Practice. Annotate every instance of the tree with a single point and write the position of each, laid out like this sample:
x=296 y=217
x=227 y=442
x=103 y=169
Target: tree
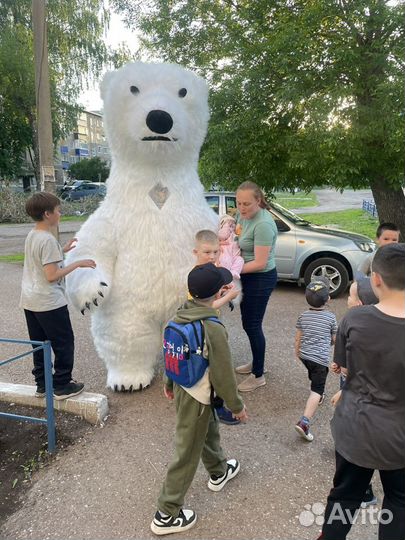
x=77 y=54
x=304 y=92
x=93 y=169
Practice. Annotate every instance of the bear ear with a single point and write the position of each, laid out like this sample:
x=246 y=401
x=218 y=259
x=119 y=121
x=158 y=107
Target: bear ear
x=105 y=83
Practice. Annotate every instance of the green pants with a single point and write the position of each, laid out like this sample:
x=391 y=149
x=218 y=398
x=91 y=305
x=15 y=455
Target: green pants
x=197 y=436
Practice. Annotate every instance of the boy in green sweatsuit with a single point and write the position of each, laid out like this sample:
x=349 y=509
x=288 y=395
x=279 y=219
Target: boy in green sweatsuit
x=197 y=428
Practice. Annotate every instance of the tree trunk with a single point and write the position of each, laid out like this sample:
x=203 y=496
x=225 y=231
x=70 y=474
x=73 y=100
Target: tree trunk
x=390 y=204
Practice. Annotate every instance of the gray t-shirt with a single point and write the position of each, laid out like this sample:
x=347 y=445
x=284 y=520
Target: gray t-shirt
x=369 y=422
x=365 y=266
x=37 y=293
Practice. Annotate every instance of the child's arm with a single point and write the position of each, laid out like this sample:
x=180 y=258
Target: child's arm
x=298 y=336
x=230 y=295
x=336 y=397
x=54 y=273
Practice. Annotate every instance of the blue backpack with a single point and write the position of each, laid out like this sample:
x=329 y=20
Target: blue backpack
x=183 y=351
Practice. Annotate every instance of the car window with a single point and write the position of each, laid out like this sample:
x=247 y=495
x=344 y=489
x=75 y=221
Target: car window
x=90 y=187
x=230 y=205
x=213 y=201
x=280 y=224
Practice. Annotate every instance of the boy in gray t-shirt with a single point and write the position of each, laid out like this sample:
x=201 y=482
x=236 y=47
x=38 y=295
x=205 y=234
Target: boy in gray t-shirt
x=43 y=295
x=368 y=426
x=316 y=330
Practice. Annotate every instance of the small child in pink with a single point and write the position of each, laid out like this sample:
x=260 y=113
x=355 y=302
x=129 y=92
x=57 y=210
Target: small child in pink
x=230 y=256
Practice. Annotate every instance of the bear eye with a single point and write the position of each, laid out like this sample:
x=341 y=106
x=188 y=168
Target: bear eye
x=134 y=89
x=182 y=92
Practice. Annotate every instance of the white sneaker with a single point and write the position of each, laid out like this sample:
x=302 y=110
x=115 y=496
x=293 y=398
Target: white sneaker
x=251 y=383
x=216 y=483
x=245 y=369
x=163 y=524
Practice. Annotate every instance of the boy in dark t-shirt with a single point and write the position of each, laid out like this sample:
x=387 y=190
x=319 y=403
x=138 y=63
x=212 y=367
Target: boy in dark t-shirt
x=369 y=422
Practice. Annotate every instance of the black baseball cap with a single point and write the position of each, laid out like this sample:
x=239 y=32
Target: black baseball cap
x=317 y=292
x=205 y=280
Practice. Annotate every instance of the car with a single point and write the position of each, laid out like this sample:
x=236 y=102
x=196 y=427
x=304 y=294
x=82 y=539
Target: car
x=304 y=250
x=70 y=185
x=85 y=189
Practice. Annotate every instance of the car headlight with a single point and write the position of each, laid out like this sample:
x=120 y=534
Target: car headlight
x=369 y=247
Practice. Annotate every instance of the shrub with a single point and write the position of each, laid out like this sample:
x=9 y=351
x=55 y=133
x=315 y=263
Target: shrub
x=12 y=206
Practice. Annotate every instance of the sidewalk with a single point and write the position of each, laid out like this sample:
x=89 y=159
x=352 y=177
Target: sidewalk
x=105 y=486
x=12 y=237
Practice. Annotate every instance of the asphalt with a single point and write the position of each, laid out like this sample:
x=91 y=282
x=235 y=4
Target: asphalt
x=106 y=485
x=330 y=200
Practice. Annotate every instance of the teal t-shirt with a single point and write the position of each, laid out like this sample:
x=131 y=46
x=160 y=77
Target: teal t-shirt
x=261 y=230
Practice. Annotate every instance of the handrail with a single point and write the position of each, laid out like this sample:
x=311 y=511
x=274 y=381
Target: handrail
x=50 y=416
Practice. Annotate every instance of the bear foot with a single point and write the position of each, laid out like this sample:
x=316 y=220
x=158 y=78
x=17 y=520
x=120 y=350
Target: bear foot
x=129 y=381
x=131 y=388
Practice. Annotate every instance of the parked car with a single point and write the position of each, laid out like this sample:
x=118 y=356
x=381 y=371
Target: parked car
x=304 y=250
x=70 y=185
x=85 y=189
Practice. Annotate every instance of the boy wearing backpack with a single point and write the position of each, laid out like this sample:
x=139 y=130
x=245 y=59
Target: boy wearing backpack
x=197 y=429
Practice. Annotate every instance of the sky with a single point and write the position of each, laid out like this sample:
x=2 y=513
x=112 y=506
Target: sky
x=117 y=33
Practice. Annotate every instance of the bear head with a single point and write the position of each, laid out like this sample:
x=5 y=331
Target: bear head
x=154 y=114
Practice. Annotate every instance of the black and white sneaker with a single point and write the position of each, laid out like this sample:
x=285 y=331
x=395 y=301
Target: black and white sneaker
x=69 y=390
x=40 y=391
x=216 y=483
x=164 y=524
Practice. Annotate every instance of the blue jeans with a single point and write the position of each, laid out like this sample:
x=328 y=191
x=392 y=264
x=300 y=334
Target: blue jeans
x=257 y=288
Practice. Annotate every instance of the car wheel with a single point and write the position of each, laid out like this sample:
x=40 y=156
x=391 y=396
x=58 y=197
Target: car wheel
x=333 y=269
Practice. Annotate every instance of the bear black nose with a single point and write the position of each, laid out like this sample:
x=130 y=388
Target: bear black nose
x=159 y=121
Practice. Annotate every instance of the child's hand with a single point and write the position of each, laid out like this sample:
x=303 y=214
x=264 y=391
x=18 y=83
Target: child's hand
x=168 y=393
x=335 y=368
x=69 y=245
x=242 y=415
x=232 y=293
x=336 y=397
x=86 y=263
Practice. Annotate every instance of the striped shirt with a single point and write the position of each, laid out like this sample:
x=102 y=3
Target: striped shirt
x=317 y=327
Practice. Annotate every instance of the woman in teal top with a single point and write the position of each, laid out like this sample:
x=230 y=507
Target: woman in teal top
x=257 y=235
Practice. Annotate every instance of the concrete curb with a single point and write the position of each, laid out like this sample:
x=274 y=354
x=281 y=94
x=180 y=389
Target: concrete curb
x=91 y=407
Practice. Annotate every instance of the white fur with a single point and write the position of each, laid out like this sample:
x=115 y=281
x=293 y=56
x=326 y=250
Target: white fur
x=143 y=253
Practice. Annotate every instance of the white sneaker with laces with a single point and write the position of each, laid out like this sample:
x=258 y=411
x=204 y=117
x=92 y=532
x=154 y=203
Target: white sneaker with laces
x=216 y=483
x=166 y=524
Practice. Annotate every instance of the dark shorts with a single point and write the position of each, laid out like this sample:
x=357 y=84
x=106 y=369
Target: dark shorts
x=317 y=375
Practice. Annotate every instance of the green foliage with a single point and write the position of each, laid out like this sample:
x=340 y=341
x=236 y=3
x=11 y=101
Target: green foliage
x=93 y=169
x=77 y=54
x=303 y=92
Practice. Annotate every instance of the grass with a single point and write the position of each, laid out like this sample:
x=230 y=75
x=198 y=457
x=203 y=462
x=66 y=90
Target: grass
x=350 y=220
x=74 y=218
x=296 y=200
x=14 y=258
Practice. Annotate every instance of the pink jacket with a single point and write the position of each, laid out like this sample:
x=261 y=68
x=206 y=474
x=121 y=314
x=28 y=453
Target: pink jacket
x=230 y=256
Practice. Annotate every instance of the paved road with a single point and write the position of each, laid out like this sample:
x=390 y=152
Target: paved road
x=331 y=200
x=105 y=486
x=12 y=237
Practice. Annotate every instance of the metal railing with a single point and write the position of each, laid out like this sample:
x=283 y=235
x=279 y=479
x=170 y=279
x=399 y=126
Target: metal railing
x=50 y=417
x=370 y=207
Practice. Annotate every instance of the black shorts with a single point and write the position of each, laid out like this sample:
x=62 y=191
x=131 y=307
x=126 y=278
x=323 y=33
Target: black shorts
x=317 y=375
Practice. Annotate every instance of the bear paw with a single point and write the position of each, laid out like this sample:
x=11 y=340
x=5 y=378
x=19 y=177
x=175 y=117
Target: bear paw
x=87 y=289
x=125 y=382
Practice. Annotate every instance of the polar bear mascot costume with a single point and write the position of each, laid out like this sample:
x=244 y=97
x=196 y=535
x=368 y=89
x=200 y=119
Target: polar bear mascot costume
x=142 y=234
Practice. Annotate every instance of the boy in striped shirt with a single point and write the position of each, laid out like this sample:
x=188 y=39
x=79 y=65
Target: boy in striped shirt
x=316 y=332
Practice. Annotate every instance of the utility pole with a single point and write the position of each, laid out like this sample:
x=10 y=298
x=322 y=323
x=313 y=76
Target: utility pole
x=43 y=97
